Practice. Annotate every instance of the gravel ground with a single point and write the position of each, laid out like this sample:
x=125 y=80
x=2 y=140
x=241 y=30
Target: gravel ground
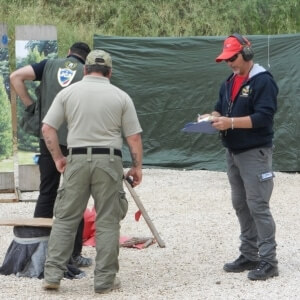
x=192 y=212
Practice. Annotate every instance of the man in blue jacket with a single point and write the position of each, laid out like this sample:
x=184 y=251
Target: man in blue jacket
x=244 y=115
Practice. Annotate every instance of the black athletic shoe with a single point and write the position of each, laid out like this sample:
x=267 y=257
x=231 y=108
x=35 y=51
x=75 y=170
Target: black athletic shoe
x=240 y=264
x=81 y=262
x=263 y=271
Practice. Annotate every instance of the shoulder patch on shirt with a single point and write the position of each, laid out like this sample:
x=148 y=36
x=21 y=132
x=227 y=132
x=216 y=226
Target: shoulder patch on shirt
x=71 y=65
x=65 y=76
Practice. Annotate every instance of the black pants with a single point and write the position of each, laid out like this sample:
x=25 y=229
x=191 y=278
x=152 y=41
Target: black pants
x=49 y=183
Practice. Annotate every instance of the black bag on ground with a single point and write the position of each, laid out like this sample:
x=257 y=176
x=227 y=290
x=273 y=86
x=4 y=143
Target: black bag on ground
x=27 y=252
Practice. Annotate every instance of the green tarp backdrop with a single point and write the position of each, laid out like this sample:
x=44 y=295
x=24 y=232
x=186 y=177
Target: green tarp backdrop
x=171 y=80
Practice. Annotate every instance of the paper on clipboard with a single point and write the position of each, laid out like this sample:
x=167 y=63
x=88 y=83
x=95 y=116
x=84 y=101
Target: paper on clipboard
x=202 y=126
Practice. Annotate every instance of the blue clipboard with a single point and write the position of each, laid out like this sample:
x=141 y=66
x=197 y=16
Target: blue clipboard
x=199 y=127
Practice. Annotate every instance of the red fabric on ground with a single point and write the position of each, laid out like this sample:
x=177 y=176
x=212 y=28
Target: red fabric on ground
x=138 y=215
x=89 y=230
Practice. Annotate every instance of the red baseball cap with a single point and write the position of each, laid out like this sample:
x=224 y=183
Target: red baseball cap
x=231 y=47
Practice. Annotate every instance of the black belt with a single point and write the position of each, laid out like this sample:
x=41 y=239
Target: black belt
x=96 y=151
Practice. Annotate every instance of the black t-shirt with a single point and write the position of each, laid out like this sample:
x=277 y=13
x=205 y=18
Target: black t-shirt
x=38 y=68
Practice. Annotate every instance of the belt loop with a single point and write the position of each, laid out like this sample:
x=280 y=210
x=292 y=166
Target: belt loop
x=111 y=154
x=89 y=154
x=70 y=155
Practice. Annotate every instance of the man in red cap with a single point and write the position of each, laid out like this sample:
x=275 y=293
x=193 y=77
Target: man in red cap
x=244 y=115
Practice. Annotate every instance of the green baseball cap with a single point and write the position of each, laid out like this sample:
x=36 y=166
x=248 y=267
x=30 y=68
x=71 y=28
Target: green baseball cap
x=99 y=57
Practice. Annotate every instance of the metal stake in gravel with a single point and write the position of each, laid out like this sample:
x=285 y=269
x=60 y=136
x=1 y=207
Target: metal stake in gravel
x=136 y=198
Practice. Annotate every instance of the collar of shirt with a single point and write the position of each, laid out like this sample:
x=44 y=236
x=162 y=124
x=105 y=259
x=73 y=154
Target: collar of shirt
x=77 y=57
x=96 y=78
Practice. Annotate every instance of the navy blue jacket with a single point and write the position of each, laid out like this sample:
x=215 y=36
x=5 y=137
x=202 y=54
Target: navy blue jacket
x=256 y=98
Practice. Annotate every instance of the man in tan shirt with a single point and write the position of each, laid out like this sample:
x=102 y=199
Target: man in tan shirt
x=98 y=114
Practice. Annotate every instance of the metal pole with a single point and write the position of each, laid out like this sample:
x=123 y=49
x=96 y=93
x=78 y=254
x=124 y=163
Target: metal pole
x=13 y=99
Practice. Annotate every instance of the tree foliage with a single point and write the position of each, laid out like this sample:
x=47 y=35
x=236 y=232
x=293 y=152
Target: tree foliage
x=5 y=123
x=44 y=48
x=4 y=68
x=81 y=19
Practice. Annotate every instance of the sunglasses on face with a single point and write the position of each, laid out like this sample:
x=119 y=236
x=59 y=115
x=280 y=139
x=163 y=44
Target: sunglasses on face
x=233 y=58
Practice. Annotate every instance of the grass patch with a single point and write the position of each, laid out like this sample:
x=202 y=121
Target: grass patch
x=6 y=165
x=24 y=157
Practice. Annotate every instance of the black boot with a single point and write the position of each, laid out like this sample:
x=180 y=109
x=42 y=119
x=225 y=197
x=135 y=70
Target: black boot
x=240 y=264
x=263 y=271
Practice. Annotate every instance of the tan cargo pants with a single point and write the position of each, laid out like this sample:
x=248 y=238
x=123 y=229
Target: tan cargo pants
x=99 y=176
